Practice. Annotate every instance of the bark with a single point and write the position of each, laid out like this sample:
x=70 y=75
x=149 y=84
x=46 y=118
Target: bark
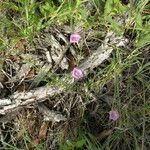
x=19 y=99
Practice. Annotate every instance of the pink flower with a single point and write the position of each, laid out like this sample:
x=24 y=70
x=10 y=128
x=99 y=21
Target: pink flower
x=74 y=38
x=77 y=73
x=113 y=115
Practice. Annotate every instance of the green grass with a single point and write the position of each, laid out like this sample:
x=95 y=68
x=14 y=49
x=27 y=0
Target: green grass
x=128 y=71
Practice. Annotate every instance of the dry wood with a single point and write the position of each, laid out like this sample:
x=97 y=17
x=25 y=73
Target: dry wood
x=50 y=115
x=19 y=99
x=103 y=52
x=21 y=73
x=41 y=94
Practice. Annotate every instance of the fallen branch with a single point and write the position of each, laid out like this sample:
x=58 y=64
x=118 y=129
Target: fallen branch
x=103 y=52
x=19 y=99
x=41 y=94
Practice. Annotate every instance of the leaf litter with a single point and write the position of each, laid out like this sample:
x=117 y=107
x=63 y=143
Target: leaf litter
x=35 y=107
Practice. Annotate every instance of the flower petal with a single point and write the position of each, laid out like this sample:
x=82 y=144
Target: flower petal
x=75 y=38
x=113 y=115
x=77 y=73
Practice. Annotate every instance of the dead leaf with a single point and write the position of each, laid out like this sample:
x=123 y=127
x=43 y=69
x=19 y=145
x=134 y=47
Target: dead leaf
x=41 y=136
x=23 y=87
x=30 y=74
x=2 y=77
x=33 y=144
x=13 y=58
x=21 y=45
x=104 y=134
x=43 y=130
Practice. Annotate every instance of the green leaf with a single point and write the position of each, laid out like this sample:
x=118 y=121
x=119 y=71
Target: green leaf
x=138 y=20
x=80 y=143
x=143 y=40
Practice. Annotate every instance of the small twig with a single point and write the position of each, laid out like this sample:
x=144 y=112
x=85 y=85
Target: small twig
x=60 y=58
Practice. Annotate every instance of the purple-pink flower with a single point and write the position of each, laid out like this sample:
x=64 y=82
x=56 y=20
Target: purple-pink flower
x=113 y=115
x=77 y=73
x=75 y=38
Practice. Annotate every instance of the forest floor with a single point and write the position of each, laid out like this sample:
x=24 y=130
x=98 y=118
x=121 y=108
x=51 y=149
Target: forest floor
x=74 y=74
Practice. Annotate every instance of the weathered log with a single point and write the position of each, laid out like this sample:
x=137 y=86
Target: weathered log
x=103 y=52
x=19 y=99
x=42 y=93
